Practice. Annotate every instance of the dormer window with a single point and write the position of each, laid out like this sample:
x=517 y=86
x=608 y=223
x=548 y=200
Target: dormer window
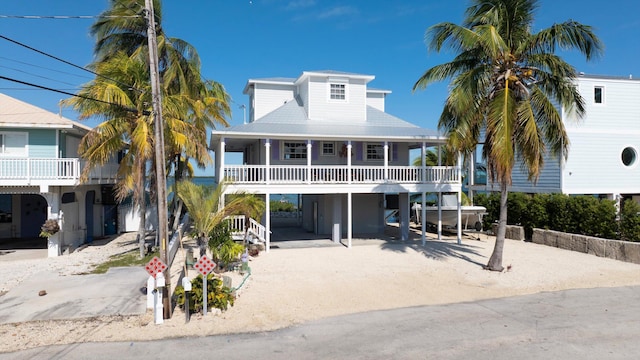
x=338 y=92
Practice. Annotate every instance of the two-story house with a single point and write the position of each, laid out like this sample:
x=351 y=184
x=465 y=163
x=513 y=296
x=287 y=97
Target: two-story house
x=604 y=145
x=39 y=179
x=326 y=137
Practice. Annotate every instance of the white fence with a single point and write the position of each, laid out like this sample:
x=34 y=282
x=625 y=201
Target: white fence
x=43 y=169
x=285 y=174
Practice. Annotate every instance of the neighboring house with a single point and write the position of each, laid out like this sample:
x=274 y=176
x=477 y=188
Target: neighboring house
x=604 y=145
x=326 y=137
x=39 y=179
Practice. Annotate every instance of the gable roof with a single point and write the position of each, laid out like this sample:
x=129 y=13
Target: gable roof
x=19 y=114
x=290 y=121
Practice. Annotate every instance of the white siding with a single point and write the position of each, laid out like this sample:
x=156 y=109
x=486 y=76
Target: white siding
x=303 y=93
x=376 y=100
x=320 y=107
x=268 y=97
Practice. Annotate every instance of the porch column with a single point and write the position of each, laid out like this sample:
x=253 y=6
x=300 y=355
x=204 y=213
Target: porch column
x=267 y=222
x=53 y=212
x=336 y=231
x=267 y=161
x=423 y=208
x=349 y=218
x=349 y=174
x=403 y=204
x=439 y=200
x=460 y=205
x=386 y=160
x=220 y=161
x=309 y=161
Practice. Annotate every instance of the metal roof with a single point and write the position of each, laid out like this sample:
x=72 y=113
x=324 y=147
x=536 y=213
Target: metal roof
x=290 y=121
x=18 y=114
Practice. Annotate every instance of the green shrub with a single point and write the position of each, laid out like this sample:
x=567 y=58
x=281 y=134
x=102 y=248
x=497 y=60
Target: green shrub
x=281 y=206
x=630 y=221
x=223 y=248
x=219 y=296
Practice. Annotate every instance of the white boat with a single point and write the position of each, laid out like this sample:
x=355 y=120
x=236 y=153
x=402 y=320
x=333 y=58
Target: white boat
x=471 y=215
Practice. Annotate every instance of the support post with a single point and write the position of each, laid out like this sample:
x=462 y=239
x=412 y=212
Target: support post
x=160 y=163
x=349 y=218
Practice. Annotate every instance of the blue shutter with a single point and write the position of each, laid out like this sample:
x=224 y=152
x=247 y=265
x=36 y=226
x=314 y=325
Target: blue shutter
x=275 y=149
x=358 y=147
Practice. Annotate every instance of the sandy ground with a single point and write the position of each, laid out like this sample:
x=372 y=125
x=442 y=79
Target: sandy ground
x=291 y=286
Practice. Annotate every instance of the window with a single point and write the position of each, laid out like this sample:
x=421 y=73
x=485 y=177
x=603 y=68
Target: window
x=374 y=152
x=13 y=144
x=338 y=92
x=598 y=95
x=294 y=150
x=328 y=149
x=629 y=156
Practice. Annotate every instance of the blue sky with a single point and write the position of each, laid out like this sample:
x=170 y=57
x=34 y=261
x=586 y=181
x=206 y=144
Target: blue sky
x=242 y=39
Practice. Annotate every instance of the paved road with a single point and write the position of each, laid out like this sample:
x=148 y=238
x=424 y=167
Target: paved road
x=574 y=324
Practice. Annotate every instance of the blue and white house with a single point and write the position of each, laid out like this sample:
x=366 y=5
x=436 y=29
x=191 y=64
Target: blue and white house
x=40 y=179
x=604 y=145
x=325 y=136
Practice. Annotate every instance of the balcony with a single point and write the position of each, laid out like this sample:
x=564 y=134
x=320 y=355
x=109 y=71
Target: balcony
x=340 y=174
x=52 y=171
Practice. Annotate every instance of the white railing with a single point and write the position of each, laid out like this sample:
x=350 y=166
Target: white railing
x=316 y=174
x=238 y=226
x=45 y=169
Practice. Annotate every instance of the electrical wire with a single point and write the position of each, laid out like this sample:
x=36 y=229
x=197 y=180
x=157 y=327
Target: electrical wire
x=68 y=63
x=46 y=68
x=35 y=75
x=59 y=17
x=72 y=94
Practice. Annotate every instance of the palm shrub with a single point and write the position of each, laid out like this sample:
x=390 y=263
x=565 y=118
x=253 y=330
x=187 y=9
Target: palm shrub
x=223 y=249
x=218 y=295
x=630 y=221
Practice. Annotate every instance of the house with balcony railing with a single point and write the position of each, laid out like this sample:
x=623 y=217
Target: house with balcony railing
x=40 y=178
x=325 y=137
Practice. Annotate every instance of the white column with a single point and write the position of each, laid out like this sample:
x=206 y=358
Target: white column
x=386 y=160
x=308 y=161
x=267 y=161
x=460 y=205
x=349 y=219
x=336 y=231
x=267 y=222
x=423 y=208
x=403 y=204
x=220 y=171
x=439 y=201
x=349 y=173
x=53 y=212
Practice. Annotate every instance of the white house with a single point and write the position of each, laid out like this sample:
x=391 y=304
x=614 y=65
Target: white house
x=604 y=145
x=39 y=179
x=325 y=136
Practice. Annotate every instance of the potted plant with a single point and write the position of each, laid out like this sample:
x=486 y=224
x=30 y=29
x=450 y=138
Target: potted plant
x=49 y=228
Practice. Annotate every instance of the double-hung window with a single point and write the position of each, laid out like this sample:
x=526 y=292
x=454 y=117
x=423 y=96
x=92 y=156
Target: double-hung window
x=13 y=144
x=374 y=152
x=294 y=150
x=328 y=148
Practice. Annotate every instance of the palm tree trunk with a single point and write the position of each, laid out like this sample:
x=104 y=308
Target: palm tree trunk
x=142 y=206
x=495 y=261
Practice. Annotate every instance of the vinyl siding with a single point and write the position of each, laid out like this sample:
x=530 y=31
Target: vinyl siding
x=320 y=107
x=42 y=143
x=268 y=97
x=376 y=100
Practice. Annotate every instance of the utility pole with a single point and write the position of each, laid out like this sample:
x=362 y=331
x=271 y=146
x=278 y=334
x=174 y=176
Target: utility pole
x=161 y=180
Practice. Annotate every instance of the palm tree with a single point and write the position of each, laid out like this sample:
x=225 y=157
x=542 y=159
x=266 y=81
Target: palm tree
x=505 y=82
x=207 y=211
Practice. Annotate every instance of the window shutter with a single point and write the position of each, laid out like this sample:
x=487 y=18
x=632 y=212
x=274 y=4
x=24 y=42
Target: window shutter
x=358 y=148
x=394 y=152
x=275 y=149
x=315 y=149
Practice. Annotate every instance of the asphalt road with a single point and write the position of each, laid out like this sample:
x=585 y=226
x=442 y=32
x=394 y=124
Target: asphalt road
x=576 y=324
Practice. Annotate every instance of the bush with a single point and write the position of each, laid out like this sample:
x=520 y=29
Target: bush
x=584 y=215
x=630 y=221
x=219 y=296
x=281 y=206
x=223 y=249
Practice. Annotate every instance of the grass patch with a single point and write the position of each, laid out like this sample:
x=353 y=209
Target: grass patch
x=130 y=258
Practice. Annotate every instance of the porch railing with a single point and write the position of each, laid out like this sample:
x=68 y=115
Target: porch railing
x=46 y=169
x=238 y=225
x=317 y=174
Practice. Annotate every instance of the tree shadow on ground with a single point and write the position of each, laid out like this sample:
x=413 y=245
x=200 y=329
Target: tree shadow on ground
x=437 y=249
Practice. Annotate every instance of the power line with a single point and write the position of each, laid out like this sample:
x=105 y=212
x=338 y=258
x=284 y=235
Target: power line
x=45 y=68
x=36 y=75
x=64 y=17
x=67 y=62
x=72 y=94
